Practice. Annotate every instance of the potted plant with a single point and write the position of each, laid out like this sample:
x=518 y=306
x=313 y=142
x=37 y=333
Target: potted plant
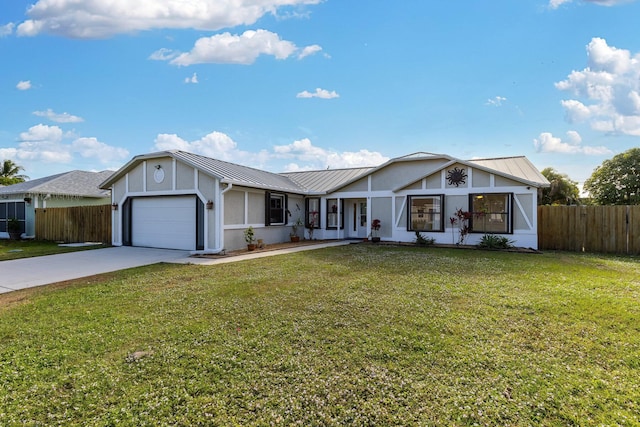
x=294 y=230
x=13 y=227
x=375 y=230
x=250 y=238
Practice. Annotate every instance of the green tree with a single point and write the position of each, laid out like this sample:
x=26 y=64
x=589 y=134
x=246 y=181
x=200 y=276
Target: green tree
x=563 y=191
x=10 y=173
x=617 y=180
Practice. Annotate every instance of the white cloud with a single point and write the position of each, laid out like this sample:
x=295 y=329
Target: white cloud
x=217 y=145
x=48 y=144
x=100 y=19
x=6 y=29
x=302 y=154
x=319 y=158
x=554 y=4
x=24 y=85
x=163 y=54
x=227 y=48
x=319 y=93
x=193 y=79
x=309 y=50
x=607 y=91
x=496 y=101
x=58 y=118
x=94 y=149
x=547 y=143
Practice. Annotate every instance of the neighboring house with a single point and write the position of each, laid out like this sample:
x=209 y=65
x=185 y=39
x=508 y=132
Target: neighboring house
x=75 y=188
x=180 y=200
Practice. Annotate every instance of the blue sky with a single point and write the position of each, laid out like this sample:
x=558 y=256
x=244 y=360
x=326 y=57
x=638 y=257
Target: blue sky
x=308 y=84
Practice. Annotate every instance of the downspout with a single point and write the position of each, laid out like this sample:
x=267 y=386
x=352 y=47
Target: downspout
x=220 y=219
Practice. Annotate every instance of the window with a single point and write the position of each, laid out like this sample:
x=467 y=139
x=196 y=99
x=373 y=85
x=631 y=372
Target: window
x=10 y=210
x=335 y=215
x=276 y=209
x=426 y=213
x=491 y=213
x=312 y=209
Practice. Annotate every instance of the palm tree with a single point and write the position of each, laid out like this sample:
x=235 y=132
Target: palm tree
x=10 y=173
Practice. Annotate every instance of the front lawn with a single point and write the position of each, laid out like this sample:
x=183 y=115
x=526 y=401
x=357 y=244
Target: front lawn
x=355 y=335
x=14 y=249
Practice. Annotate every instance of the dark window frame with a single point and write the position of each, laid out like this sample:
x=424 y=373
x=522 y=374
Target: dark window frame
x=18 y=211
x=269 y=210
x=480 y=216
x=410 y=212
x=308 y=212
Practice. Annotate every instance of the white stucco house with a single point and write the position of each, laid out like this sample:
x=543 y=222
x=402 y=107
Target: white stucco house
x=179 y=200
x=73 y=188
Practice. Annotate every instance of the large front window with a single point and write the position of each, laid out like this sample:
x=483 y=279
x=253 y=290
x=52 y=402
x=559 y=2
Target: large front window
x=9 y=210
x=491 y=213
x=425 y=213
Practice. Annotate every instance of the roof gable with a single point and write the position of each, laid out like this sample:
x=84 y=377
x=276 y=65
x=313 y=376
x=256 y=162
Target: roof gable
x=226 y=172
x=73 y=183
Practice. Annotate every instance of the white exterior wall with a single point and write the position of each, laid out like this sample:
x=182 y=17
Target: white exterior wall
x=391 y=206
x=179 y=179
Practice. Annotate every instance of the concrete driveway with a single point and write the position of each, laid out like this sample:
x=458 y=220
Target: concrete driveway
x=37 y=271
x=31 y=272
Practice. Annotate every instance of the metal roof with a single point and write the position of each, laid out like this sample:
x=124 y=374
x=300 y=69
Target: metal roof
x=519 y=167
x=237 y=174
x=329 y=180
x=73 y=183
x=321 y=181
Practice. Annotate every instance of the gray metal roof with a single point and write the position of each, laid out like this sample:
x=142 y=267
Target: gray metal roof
x=329 y=180
x=74 y=183
x=519 y=167
x=238 y=174
x=321 y=181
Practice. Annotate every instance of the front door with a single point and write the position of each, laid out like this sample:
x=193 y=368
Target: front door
x=357 y=224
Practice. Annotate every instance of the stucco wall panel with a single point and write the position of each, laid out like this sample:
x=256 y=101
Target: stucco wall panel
x=381 y=209
x=136 y=179
x=234 y=207
x=184 y=177
x=504 y=182
x=481 y=178
x=164 y=164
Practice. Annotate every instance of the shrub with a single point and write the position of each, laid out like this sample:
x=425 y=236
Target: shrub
x=424 y=241
x=491 y=241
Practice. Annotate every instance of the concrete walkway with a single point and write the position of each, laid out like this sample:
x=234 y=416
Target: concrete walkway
x=31 y=272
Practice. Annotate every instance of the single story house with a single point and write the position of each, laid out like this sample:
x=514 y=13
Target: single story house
x=75 y=188
x=179 y=200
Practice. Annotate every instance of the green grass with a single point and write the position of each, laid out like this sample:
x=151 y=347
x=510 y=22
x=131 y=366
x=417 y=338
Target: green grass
x=356 y=335
x=15 y=249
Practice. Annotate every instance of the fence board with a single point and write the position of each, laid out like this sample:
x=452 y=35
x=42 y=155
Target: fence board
x=608 y=229
x=74 y=224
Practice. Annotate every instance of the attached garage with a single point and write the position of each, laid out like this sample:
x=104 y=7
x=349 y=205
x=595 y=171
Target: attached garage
x=167 y=222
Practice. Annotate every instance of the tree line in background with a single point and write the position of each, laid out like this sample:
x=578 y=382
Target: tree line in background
x=615 y=182
x=10 y=173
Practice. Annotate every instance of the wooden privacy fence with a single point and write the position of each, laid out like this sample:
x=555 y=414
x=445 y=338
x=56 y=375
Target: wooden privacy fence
x=74 y=224
x=609 y=229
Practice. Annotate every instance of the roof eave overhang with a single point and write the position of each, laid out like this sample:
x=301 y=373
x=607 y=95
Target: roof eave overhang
x=106 y=185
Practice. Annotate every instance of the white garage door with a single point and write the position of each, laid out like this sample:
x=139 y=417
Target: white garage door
x=164 y=222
